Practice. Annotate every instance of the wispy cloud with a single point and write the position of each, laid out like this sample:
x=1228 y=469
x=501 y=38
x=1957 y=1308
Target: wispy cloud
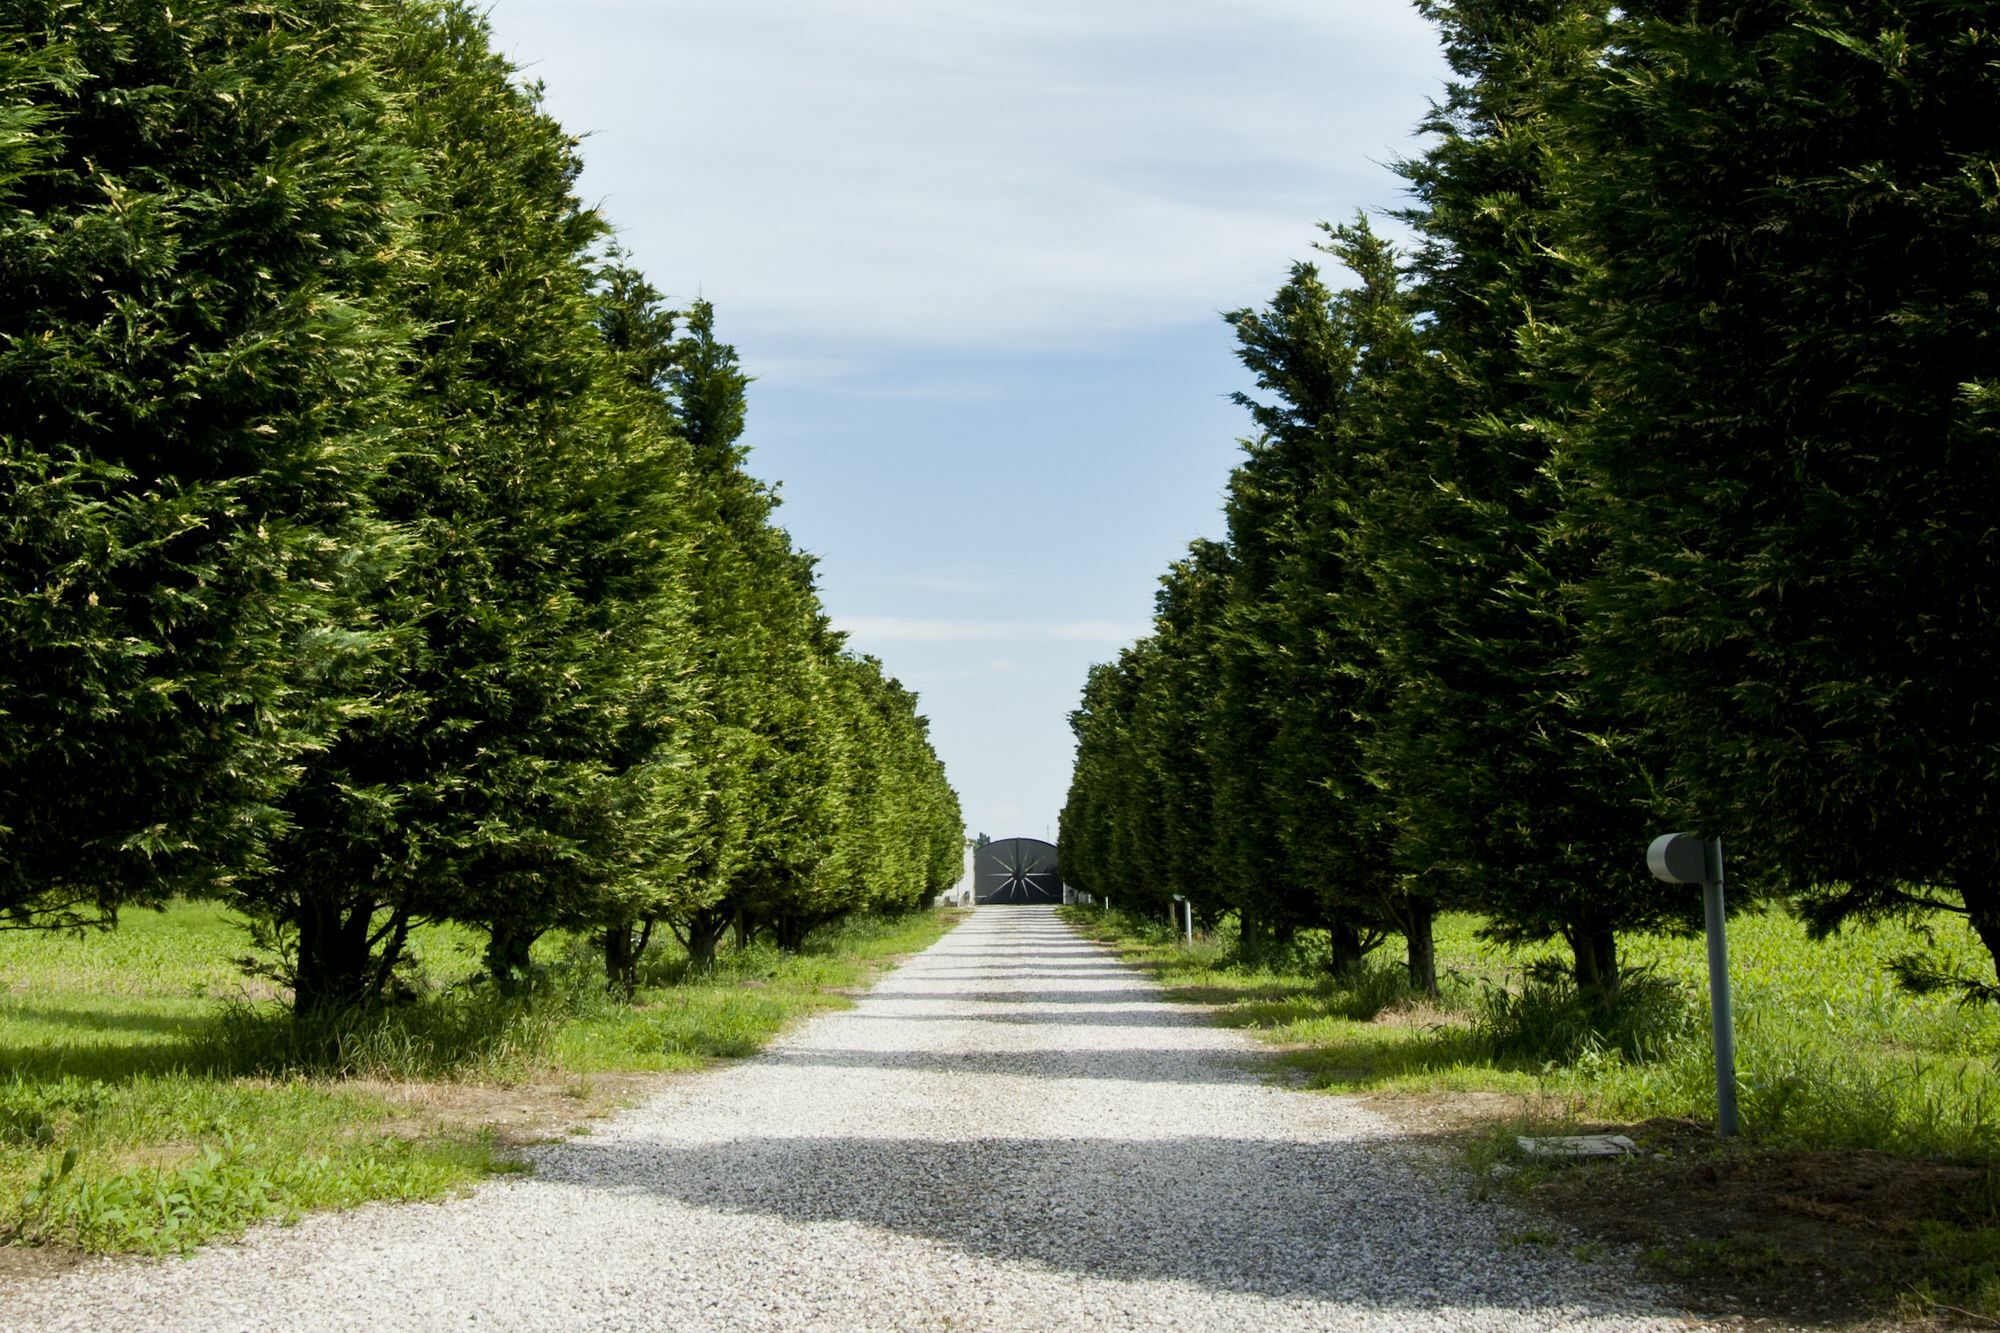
x=910 y=629
x=959 y=172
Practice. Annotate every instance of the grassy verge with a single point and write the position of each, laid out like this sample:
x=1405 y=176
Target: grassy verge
x=150 y=1097
x=1867 y=1183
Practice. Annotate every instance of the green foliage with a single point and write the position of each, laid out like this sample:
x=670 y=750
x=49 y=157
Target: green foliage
x=1221 y=758
x=1546 y=1018
x=536 y=500
x=203 y=223
x=1783 y=220
x=377 y=548
x=820 y=794
x=1653 y=492
x=474 y=1031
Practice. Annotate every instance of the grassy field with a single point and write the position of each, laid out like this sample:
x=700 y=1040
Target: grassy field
x=1830 y=1053
x=1871 y=1117
x=152 y=1098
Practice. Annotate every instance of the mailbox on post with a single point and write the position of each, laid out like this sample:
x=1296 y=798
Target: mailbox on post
x=1682 y=858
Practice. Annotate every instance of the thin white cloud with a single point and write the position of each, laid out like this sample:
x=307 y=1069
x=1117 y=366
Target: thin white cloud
x=912 y=629
x=971 y=173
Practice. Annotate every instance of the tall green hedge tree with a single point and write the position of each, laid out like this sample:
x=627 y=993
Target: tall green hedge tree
x=1512 y=798
x=202 y=233
x=1170 y=721
x=1787 y=213
x=1089 y=829
x=483 y=787
x=1327 y=359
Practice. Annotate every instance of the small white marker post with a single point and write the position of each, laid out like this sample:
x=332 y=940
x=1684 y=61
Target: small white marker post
x=1682 y=858
x=1188 y=908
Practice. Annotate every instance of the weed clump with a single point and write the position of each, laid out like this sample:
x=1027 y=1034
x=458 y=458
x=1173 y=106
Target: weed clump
x=472 y=1030
x=1549 y=1019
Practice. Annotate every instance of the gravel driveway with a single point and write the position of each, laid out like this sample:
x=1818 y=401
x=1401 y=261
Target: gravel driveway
x=1011 y=1131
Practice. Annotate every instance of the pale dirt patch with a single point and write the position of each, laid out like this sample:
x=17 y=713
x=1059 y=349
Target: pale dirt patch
x=1422 y=1015
x=26 y=1263
x=1454 y=1113
x=517 y=1114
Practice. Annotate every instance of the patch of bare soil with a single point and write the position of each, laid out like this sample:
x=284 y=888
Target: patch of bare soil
x=26 y=1263
x=1455 y=1114
x=1830 y=1239
x=1745 y=1233
x=518 y=1114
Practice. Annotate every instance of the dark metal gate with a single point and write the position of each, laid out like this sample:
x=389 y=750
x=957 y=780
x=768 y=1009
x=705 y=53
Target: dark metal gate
x=1017 y=871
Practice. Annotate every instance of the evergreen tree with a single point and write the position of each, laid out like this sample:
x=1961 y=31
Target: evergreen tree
x=1171 y=720
x=1089 y=833
x=642 y=599
x=1785 y=215
x=1328 y=358
x=200 y=234
x=1262 y=507
x=1510 y=799
x=481 y=789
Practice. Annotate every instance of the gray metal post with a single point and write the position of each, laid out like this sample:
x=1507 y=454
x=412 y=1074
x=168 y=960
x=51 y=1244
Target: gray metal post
x=1683 y=858
x=1718 y=991
x=1189 y=904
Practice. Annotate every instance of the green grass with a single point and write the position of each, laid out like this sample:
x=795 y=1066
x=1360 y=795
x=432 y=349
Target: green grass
x=151 y=1098
x=1830 y=1053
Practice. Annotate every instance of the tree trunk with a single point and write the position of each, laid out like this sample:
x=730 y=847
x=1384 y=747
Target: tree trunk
x=334 y=956
x=791 y=929
x=508 y=959
x=1982 y=912
x=1419 y=915
x=1249 y=933
x=1595 y=948
x=1261 y=939
x=1345 y=949
x=624 y=945
x=700 y=933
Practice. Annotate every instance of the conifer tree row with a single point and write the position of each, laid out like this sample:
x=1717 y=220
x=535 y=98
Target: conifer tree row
x=378 y=548
x=1651 y=489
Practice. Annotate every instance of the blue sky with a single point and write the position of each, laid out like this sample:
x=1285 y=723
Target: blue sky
x=975 y=254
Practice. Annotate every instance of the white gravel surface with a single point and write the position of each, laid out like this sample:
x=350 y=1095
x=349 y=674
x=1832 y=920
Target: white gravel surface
x=1011 y=1131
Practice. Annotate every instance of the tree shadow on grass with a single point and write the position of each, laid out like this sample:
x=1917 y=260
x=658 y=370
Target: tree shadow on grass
x=86 y=1021
x=50 y=1062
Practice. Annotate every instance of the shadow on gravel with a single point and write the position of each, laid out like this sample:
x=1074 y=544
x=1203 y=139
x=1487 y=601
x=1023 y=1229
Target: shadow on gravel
x=1041 y=953
x=1167 y=1065
x=1167 y=1014
x=1120 y=1018
x=1334 y=1222
x=1018 y=971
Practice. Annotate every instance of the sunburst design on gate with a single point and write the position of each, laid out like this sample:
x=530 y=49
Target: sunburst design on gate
x=1019 y=870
